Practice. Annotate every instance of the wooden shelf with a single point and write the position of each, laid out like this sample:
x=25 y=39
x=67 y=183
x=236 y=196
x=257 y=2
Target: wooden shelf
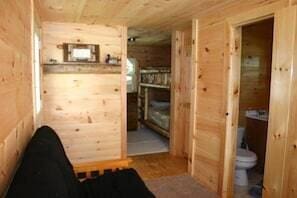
x=81 y=68
x=82 y=63
x=155 y=86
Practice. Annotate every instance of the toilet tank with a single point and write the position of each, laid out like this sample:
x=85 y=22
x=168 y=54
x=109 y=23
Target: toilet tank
x=240 y=134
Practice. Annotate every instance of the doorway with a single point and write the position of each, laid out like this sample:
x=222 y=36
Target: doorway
x=254 y=98
x=280 y=107
x=148 y=92
x=239 y=28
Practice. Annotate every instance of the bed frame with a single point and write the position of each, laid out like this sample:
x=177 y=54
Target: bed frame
x=93 y=169
x=152 y=78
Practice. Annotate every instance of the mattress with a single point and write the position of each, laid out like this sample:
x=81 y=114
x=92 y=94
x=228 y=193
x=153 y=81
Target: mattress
x=160 y=117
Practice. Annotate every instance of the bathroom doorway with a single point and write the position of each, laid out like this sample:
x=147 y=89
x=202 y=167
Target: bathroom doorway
x=254 y=97
x=280 y=105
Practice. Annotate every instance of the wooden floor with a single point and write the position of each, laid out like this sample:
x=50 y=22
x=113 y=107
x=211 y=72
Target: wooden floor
x=158 y=165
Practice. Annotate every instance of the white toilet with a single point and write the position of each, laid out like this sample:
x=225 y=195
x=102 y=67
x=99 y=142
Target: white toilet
x=245 y=159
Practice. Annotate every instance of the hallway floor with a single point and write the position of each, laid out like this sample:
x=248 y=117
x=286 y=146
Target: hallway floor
x=166 y=176
x=159 y=165
x=145 y=141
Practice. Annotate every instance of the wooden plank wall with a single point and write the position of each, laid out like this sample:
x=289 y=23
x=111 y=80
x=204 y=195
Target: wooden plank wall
x=209 y=136
x=280 y=134
x=290 y=176
x=257 y=42
x=85 y=109
x=16 y=116
x=108 y=37
x=181 y=91
x=150 y=56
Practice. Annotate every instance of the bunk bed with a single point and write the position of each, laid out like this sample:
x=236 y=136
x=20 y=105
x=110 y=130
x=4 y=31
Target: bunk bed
x=154 y=114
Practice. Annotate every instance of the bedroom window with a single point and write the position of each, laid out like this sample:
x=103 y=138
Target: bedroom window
x=131 y=76
x=36 y=77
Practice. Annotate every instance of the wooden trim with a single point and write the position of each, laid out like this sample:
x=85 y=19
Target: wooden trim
x=32 y=29
x=258 y=14
x=113 y=165
x=177 y=38
x=181 y=92
x=81 y=69
x=194 y=78
x=290 y=182
x=124 y=94
x=35 y=29
x=146 y=103
x=233 y=93
x=278 y=137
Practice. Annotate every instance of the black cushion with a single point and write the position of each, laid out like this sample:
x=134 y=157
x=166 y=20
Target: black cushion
x=45 y=171
x=46 y=135
x=41 y=178
x=45 y=146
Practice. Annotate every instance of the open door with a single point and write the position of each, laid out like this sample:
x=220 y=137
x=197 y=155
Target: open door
x=280 y=169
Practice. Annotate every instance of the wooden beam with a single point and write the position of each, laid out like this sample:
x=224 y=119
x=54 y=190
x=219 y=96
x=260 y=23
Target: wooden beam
x=233 y=58
x=146 y=103
x=290 y=175
x=81 y=69
x=177 y=39
x=194 y=78
x=124 y=40
x=280 y=109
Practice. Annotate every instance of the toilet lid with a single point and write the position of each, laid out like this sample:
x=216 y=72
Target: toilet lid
x=244 y=155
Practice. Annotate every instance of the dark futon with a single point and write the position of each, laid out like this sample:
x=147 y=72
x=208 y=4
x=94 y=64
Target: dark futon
x=45 y=171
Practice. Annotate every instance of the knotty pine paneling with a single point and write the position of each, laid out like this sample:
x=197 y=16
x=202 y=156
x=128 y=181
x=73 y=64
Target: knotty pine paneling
x=210 y=108
x=134 y=13
x=181 y=92
x=84 y=109
x=212 y=83
x=150 y=56
x=16 y=116
x=55 y=34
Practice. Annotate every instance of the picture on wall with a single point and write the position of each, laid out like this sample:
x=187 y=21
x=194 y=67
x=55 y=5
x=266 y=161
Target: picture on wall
x=81 y=53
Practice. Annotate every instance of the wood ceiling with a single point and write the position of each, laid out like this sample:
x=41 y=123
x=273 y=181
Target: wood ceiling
x=156 y=15
x=146 y=36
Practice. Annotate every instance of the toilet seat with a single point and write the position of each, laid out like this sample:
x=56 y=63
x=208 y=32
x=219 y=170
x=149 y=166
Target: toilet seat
x=244 y=155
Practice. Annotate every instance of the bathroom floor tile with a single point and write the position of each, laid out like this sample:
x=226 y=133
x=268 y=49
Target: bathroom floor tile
x=243 y=191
